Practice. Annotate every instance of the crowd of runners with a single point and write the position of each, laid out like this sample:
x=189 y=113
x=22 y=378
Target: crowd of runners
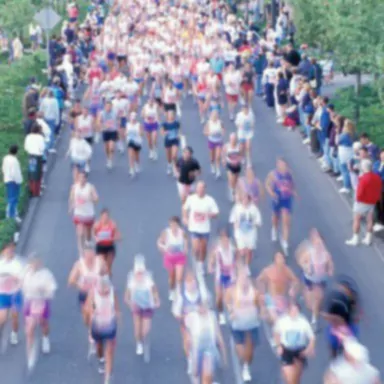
x=148 y=58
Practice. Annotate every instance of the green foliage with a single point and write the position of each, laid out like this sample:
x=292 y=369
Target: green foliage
x=371 y=110
x=15 y=15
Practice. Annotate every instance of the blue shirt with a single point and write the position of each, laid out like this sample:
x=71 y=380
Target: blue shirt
x=378 y=168
x=171 y=129
x=217 y=65
x=345 y=140
x=59 y=95
x=325 y=121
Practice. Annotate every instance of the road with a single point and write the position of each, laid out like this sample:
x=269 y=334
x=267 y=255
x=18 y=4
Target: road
x=141 y=208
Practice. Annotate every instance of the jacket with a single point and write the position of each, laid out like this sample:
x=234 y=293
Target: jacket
x=369 y=188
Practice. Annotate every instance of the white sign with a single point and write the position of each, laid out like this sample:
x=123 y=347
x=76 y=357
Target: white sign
x=47 y=18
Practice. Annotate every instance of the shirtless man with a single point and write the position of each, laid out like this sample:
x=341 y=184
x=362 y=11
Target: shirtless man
x=277 y=281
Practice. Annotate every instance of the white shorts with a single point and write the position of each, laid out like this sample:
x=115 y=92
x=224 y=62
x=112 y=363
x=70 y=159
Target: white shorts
x=246 y=241
x=244 y=136
x=185 y=190
x=362 y=208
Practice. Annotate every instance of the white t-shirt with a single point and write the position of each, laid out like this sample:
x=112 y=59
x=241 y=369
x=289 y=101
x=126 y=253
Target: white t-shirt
x=40 y=284
x=11 y=273
x=245 y=219
x=79 y=150
x=199 y=209
x=294 y=333
x=232 y=81
x=245 y=121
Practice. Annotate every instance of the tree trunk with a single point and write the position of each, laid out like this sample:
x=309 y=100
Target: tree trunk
x=357 y=96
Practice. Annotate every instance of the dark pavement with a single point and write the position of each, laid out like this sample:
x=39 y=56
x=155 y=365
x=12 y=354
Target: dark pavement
x=141 y=208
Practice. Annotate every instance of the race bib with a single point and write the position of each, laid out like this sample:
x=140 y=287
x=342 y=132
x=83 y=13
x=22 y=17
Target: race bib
x=199 y=217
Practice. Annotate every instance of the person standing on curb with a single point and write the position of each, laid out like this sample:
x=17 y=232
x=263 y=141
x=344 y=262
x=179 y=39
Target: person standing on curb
x=13 y=179
x=50 y=108
x=378 y=168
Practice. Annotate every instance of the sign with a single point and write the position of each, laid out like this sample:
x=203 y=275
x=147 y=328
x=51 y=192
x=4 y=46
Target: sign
x=47 y=18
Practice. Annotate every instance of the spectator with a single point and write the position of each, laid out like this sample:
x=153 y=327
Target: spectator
x=34 y=145
x=269 y=80
x=336 y=128
x=323 y=133
x=51 y=113
x=308 y=109
x=59 y=95
x=378 y=168
x=292 y=56
x=316 y=76
x=282 y=88
x=354 y=165
x=260 y=63
x=294 y=86
x=305 y=67
x=17 y=49
x=30 y=120
x=344 y=143
x=373 y=149
x=30 y=99
x=33 y=37
x=368 y=194
x=13 y=178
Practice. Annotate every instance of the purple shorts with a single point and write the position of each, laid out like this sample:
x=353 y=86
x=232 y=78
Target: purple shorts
x=151 y=127
x=94 y=109
x=144 y=313
x=37 y=309
x=212 y=145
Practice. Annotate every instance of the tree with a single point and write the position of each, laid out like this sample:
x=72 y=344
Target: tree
x=15 y=15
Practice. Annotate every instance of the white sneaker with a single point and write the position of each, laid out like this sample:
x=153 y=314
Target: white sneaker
x=13 y=338
x=101 y=368
x=279 y=121
x=169 y=169
x=32 y=358
x=189 y=366
x=246 y=373
x=131 y=172
x=200 y=268
x=202 y=120
x=354 y=241
x=285 y=247
x=18 y=219
x=218 y=174
x=306 y=141
x=344 y=190
x=340 y=178
x=154 y=155
x=137 y=168
x=171 y=295
x=52 y=151
x=222 y=319
x=97 y=137
x=378 y=227
x=151 y=155
x=46 y=345
x=213 y=169
x=274 y=234
x=87 y=168
x=109 y=164
x=139 y=349
x=367 y=239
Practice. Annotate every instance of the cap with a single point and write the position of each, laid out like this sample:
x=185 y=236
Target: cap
x=356 y=350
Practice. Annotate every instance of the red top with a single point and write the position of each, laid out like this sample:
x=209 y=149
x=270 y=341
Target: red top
x=105 y=232
x=369 y=188
x=94 y=73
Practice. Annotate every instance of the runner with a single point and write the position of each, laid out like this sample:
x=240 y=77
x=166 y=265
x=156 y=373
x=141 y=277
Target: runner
x=108 y=124
x=106 y=233
x=169 y=97
x=317 y=266
x=173 y=244
x=103 y=311
x=121 y=106
x=244 y=304
x=296 y=342
x=232 y=81
x=222 y=262
x=39 y=287
x=11 y=276
x=170 y=129
x=251 y=185
x=142 y=297
x=84 y=125
x=201 y=96
x=281 y=187
x=187 y=170
x=198 y=211
x=214 y=130
x=134 y=133
x=131 y=90
x=247 y=82
x=82 y=200
x=277 y=281
x=232 y=159
x=150 y=114
x=245 y=122
x=246 y=219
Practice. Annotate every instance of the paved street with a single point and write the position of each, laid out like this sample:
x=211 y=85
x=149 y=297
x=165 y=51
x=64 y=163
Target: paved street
x=141 y=208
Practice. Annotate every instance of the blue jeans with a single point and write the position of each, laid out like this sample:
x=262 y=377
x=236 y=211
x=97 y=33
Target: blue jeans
x=345 y=174
x=306 y=125
x=258 y=84
x=52 y=127
x=335 y=164
x=13 y=194
x=327 y=153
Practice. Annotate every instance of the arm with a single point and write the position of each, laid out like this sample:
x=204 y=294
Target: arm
x=74 y=276
x=71 y=200
x=95 y=196
x=161 y=242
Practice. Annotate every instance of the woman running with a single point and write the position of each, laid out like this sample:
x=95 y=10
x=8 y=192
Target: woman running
x=201 y=96
x=142 y=297
x=106 y=233
x=232 y=81
x=214 y=130
x=82 y=200
x=84 y=125
x=121 y=107
x=296 y=342
x=232 y=159
x=39 y=287
x=246 y=219
x=170 y=129
x=177 y=78
x=134 y=134
x=84 y=276
x=281 y=187
x=317 y=266
x=150 y=114
x=245 y=124
x=251 y=185
x=108 y=124
x=206 y=344
x=131 y=90
x=247 y=87
x=11 y=277
x=103 y=309
x=80 y=153
x=173 y=244
x=244 y=304
x=169 y=97
x=222 y=262
x=214 y=101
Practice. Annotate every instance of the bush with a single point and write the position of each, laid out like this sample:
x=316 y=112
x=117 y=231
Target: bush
x=371 y=110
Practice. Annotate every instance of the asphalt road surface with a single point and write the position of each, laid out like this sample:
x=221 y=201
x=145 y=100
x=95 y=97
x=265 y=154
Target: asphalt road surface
x=141 y=208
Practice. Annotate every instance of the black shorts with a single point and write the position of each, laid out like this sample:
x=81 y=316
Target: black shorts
x=121 y=58
x=105 y=249
x=289 y=357
x=159 y=101
x=235 y=169
x=136 y=147
x=109 y=136
x=169 y=143
x=89 y=140
x=169 y=107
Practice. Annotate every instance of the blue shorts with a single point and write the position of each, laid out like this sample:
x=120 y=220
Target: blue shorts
x=123 y=122
x=94 y=109
x=82 y=297
x=14 y=301
x=194 y=78
x=280 y=204
x=139 y=81
x=334 y=342
x=79 y=165
x=202 y=236
x=100 y=335
x=239 y=337
x=179 y=86
x=224 y=281
x=310 y=284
